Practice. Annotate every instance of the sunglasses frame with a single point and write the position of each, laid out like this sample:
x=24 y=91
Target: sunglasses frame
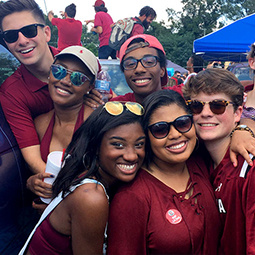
x=16 y=32
x=119 y=108
x=141 y=61
x=225 y=104
x=171 y=123
x=68 y=71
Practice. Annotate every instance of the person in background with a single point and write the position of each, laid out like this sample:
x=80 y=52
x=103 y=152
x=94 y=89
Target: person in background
x=177 y=74
x=72 y=76
x=169 y=208
x=215 y=97
x=102 y=26
x=24 y=95
x=107 y=149
x=69 y=29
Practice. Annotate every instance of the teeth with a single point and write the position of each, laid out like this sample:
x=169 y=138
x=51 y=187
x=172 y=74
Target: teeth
x=63 y=91
x=26 y=51
x=141 y=81
x=208 y=125
x=178 y=146
x=126 y=167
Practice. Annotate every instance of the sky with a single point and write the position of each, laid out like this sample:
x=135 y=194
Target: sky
x=118 y=9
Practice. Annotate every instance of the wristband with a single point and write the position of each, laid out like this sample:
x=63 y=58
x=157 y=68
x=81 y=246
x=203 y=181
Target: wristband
x=242 y=127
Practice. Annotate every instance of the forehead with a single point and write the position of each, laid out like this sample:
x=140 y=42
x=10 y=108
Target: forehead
x=18 y=20
x=140 y=52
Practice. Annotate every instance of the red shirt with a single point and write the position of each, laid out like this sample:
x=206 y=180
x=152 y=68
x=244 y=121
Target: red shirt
x=234 y=190
x=69 y=32
x=103 y=20
x=23 y=97
x=137 y=29
x=148 y=217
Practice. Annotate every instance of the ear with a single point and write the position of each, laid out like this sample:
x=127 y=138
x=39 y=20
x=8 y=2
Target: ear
x=238 y=114
x=162 y=71
x=47 y=33
x=251 y=62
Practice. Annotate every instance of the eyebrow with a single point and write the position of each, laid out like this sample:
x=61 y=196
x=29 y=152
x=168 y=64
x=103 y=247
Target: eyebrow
x=122 y=139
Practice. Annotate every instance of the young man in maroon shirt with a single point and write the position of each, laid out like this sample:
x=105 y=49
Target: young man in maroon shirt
x=215 y=97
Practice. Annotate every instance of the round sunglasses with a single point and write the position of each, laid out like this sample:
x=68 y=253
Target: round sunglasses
x=161 y=129
x=77 y=78
x=30 y=31
x=216 y=106
x=116 y=108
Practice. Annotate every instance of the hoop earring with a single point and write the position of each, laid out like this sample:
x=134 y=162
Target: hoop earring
x=86 y=160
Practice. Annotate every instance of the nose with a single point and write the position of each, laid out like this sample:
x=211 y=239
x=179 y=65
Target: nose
x=206 y=110
x=140 y=67
x=130 y=154
x=22 y=40
x=173 y=133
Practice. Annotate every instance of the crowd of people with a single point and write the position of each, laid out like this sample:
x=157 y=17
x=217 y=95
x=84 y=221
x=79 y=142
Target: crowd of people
x=156 y=161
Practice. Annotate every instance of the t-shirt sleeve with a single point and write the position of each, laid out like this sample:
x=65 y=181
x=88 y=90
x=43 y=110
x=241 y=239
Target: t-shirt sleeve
x=98 y=20
x=55 y=21
x=20 y=120
x=127 y=224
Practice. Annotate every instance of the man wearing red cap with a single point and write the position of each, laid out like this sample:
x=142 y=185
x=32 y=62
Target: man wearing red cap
x=102 y=26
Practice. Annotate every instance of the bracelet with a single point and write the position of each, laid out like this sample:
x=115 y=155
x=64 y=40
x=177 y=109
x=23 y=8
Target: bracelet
x=242 y=127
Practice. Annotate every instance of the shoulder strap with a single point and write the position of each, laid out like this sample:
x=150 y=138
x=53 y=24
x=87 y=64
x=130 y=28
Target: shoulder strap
x=53 y=205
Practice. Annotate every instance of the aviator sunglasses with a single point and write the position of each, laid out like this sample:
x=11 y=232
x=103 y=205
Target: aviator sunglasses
x=116 y=108
x=161 y=129
x=77 y=78
x=146 y=61
x=216 y=106
x=30 y=31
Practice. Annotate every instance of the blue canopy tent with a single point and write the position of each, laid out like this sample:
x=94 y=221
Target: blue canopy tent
x=230 y=43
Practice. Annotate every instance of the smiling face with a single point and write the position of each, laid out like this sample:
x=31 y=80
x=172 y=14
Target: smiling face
x=122 y=152
x=29 y=51
x=212 y=127
x=143 y=81
x=63 y=92
x=176 y=147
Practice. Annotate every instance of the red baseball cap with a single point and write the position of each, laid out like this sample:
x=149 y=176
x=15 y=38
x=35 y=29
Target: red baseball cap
x=99 y=3
x=151 y=42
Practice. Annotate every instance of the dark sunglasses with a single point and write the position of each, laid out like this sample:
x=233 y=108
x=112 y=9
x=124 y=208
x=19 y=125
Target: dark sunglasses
x=216 y=106
x=30 y=31
x=161 y=129
x=77 y=78
x=146 y=61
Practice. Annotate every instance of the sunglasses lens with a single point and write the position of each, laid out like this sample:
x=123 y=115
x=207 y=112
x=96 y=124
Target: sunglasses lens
x=77 y=78
x=183 y=124
x=159 y=130
x=29 y=31
x=10 y=36
x=135 y=108
x=58 y=72
x=114 y=108
x=218 y=107
x=196 y=107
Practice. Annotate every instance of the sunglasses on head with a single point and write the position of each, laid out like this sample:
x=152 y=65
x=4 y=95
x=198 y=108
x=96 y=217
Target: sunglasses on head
x=116 y=108
x=30 y=31
x=161 y=129
x=146 y=61
x=216 y=106
x=77 y=78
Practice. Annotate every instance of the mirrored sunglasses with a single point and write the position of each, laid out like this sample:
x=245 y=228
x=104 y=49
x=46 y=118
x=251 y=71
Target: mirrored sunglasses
x=216 y=106
x=116 y=108
x=161 y=129
x=30 y=31
x=146 y=61
x=77 y=78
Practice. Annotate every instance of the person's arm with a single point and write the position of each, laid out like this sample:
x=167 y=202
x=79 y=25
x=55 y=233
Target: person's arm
x=88 y=21
x=243 y=143
x=93 y=99
x=97 y=29
x=88 y=207
x=50 y=15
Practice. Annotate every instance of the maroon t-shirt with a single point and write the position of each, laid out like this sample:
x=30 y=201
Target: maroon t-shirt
x=69 y=32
